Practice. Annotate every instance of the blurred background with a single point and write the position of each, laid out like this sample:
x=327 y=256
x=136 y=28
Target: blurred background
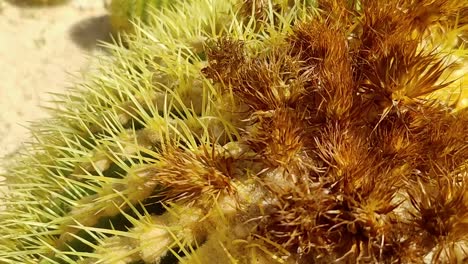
x=43 y=49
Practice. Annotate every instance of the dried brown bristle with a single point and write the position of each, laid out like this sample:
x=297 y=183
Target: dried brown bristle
x=341 y=113
x=259 y=131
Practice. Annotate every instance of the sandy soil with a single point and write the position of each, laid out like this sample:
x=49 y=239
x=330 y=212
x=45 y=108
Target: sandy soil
x=40 y=50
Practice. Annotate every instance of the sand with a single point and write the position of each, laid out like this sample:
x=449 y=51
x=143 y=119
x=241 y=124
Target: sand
x=42 y=50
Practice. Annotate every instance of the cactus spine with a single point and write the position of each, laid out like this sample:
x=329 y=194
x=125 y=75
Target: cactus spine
x=257 y=132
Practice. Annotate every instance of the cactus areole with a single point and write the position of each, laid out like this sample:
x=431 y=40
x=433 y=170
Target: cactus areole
x=265 y=131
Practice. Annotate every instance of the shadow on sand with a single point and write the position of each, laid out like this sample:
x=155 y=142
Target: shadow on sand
x=88 y=33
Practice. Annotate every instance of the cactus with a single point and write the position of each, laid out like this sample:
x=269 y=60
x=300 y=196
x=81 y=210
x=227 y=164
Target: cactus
x=39 y=2
x=125 y=12
x=256 y=132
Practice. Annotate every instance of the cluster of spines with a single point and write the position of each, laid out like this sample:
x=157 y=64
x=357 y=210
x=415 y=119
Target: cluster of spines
x=341 y=113
x=297 y=141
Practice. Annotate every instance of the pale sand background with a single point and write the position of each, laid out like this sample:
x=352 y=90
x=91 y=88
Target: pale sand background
x=40 y=50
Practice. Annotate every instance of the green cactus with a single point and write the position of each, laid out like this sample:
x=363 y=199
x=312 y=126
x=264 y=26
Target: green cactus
x=39 y=2
x=125 y=12
x=256 y=132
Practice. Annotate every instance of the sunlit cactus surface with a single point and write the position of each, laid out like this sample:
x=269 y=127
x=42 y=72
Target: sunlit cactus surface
x=262 y=131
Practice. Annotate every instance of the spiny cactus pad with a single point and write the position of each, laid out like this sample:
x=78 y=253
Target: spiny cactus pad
x=257 y=132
